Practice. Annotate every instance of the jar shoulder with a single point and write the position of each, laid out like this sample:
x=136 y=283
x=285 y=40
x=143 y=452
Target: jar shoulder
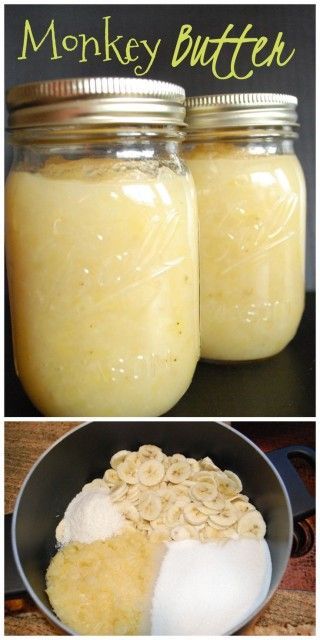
x=98 y=162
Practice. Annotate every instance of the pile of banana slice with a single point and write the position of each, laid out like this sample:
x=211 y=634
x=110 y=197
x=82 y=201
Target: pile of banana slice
x=176 y=498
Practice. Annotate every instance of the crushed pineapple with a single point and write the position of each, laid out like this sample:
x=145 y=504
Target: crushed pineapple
x=105 y=588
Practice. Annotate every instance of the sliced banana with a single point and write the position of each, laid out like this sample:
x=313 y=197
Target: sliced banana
x=134 y=458
x=208 y=464
x=156 y=487
x=204 y=476
x=151 y=472
x=111 y=476
x=193 y=515
x=175 y=514
x=194 y=531
x=133 y=493
x=144 y=526
x=118 y=492
x=204 y=491
x=129 y=511
x=177 y=457
x=118 y=457
x=151 y=452
x=182 y=499
x=161 y=534
x=175 y=497
x=180 y=490
x=203 y=509
x=208 y=534
x=235 y=479
x=97 y=483
x=194 y=464
x=241 y=497
x=225 y=518
x=167 y=498
x=229 y=532
x=150 y=507
x=216 y=505
x=158 y=522
x=243 y=507
x=217 y=527
x=142 y=489
x=252 y=525
x=198 y=527
x=180 y=533
x=128 y=471
x=226 y=485
x=178 y=472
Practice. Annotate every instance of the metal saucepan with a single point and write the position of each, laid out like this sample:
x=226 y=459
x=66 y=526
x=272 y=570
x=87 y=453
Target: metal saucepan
x=84 y=453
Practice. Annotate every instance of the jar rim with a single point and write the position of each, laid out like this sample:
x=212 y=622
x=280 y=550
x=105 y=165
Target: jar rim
x=241 y=110
x=96 y=100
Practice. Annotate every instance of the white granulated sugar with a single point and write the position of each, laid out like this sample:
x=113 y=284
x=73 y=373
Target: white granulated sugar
x=90 y=516
x=207 y=589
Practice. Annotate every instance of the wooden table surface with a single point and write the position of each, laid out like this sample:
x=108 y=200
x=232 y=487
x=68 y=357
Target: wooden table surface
x=291 y=610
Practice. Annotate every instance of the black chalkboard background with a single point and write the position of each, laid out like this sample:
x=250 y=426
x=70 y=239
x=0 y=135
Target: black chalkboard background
x=297 y=22
x=283 y=386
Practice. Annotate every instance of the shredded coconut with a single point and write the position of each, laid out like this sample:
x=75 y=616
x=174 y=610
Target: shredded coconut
x=90 y=516
x=207 y=589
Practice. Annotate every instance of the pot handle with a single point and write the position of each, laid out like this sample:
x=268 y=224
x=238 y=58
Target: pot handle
x=302 y=503
x=14 y=586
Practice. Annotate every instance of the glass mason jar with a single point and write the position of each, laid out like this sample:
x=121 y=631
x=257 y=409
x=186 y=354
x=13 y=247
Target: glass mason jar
x=251 y=202
x=101 y=246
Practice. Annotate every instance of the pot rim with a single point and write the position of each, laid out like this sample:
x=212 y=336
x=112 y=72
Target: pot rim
x=55 y=620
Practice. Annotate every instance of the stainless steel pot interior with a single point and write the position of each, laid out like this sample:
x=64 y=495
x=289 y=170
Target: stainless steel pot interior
x=84 y=454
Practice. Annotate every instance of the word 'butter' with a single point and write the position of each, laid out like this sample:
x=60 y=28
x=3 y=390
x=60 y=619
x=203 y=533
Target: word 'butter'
x=228 y=56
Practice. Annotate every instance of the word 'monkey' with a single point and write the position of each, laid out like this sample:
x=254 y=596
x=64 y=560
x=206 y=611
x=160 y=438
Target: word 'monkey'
x=189 y=49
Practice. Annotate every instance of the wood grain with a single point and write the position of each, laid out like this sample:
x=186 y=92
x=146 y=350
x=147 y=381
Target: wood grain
x=24 y=443
x=291 y=610
x=300 y=622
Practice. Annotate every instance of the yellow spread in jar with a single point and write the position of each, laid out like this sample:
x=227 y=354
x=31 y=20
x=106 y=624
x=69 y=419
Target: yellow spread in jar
x=102 y=265
x=252 y=247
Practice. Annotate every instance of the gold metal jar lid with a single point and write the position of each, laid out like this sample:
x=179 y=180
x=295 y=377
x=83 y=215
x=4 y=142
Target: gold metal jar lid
x=241 y=110
x=95 y=101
